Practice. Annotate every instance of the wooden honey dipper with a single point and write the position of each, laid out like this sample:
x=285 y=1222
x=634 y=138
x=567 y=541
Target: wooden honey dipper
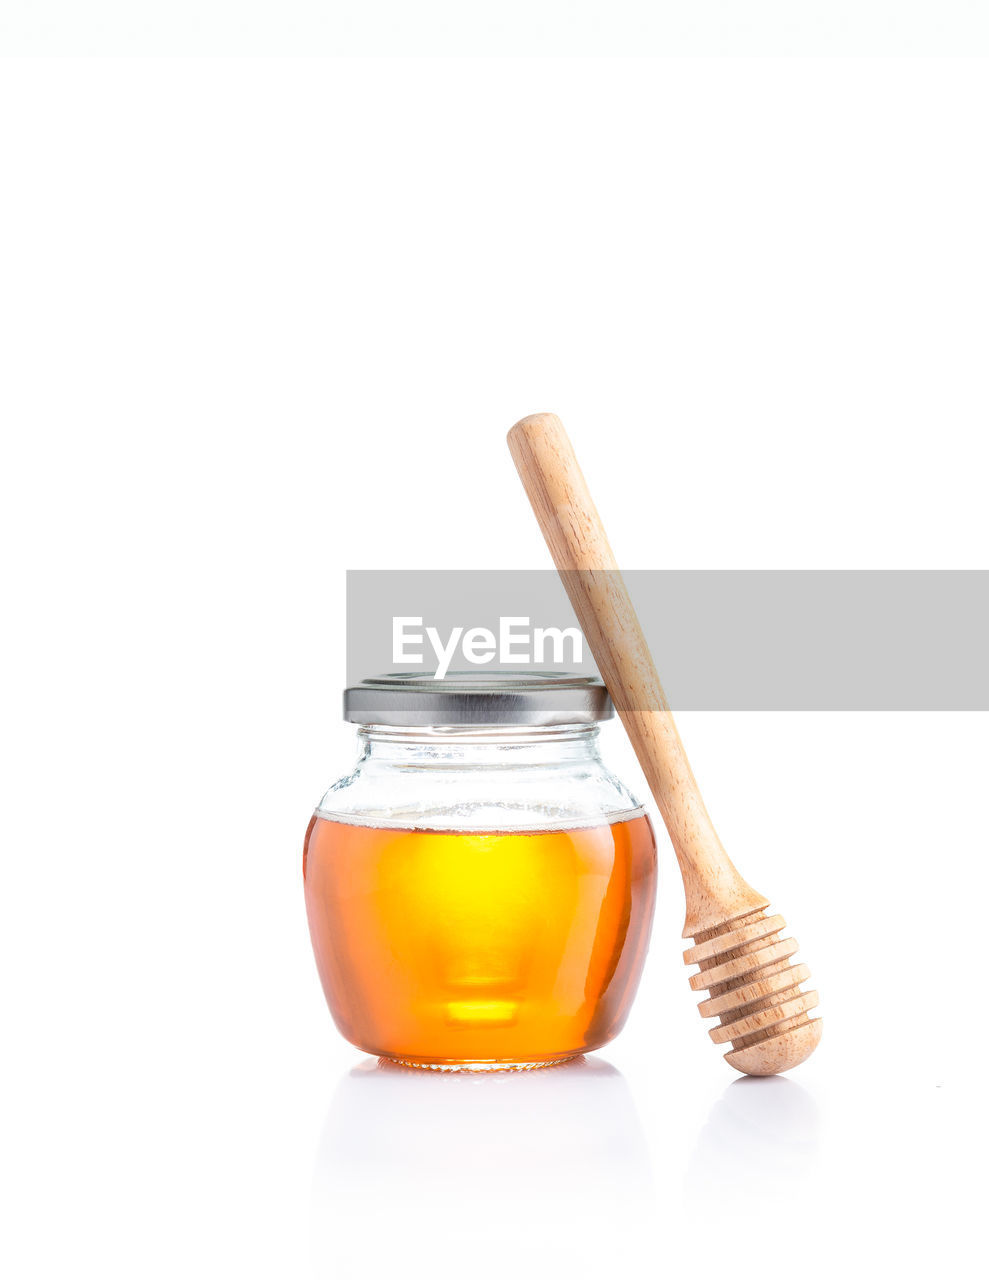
x=744 y=964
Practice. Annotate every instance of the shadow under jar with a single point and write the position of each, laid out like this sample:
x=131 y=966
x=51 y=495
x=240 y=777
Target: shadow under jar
x=480 y=889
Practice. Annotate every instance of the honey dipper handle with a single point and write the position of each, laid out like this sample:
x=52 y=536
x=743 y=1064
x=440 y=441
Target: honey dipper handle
x=546 y=462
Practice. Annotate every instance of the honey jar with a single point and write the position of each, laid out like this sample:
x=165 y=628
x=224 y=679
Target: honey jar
x=480 y=888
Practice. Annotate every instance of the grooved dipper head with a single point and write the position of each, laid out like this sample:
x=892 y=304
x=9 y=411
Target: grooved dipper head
x=755 y=994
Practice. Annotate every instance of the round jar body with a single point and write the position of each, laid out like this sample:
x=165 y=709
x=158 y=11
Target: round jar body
x=479 y=898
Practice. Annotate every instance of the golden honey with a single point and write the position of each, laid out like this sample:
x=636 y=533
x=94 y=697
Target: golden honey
x=481 y=948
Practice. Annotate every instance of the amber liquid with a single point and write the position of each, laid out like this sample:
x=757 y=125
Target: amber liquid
x=479 y=947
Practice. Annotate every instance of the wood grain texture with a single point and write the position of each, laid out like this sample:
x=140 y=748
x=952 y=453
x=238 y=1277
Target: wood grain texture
x=735 y=944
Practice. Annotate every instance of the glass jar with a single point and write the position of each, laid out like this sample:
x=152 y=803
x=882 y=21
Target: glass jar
x=480 y=888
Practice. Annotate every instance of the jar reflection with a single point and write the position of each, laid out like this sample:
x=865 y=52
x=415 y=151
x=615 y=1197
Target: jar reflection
x=505 y=1173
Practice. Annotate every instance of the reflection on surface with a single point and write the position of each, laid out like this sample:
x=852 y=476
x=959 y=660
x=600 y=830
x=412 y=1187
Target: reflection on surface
x=759 y=1146
x=530 y=1171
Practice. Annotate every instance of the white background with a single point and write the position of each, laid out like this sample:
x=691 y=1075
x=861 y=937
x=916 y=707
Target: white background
x=264 y=321
x=455 y=28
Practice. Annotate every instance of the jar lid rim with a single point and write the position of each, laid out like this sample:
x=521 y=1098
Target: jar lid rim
x=417 y=699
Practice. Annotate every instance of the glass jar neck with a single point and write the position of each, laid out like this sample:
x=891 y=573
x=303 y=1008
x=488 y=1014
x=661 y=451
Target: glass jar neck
x=479 y=745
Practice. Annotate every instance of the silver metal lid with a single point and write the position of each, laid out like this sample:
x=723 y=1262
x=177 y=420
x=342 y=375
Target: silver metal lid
x=412 y=700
